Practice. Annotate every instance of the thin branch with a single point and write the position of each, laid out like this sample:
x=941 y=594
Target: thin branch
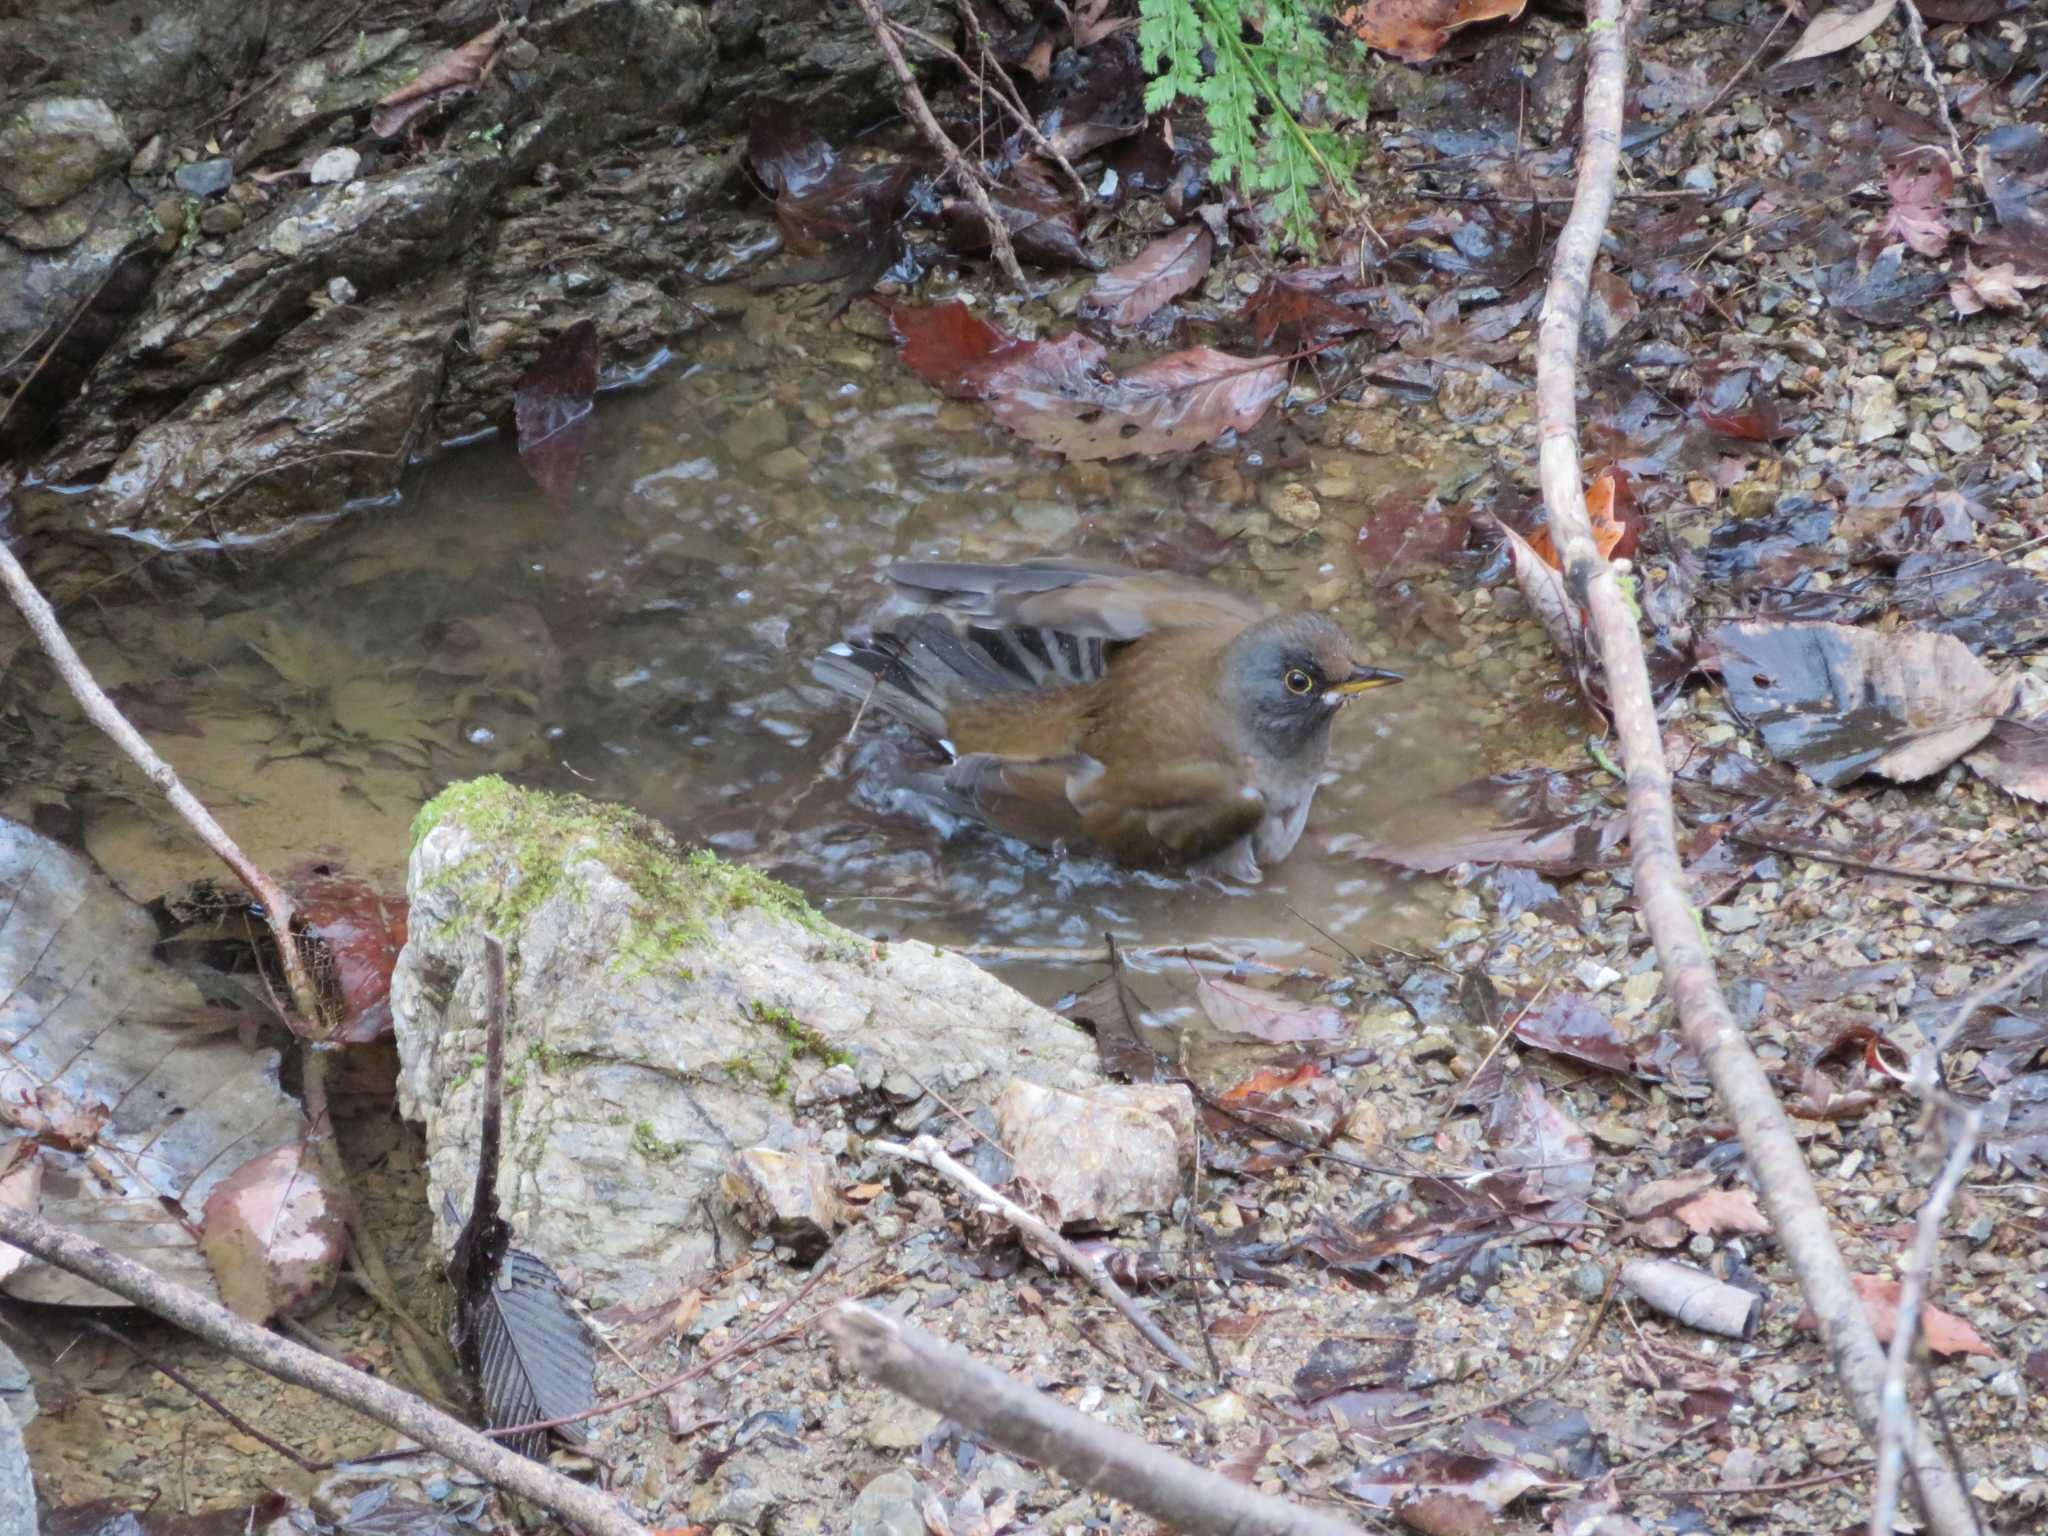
x=597 y=1512
x=1821 y=853
x=277 y=906
x=1916 y=36
x=926 y=1150
x=997 y=1406
x=964 y=175
x=179 y=1378
x=1797 y=1215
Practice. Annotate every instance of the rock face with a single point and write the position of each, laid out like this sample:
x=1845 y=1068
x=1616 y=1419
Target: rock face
x=667 y=1012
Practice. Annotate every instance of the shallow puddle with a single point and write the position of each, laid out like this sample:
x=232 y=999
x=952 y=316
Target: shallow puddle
x=650 y=643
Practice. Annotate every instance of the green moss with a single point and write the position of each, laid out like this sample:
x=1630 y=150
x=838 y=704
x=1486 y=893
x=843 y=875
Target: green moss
x=650 y=1145
x=541 y=835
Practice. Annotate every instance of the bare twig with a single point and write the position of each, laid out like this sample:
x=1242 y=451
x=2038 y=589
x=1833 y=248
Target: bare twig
x=1184 y=1497
x=1916 y=36
x=926 y=1150
x=597 y=1512
x=1517 y=1394
x=964 y=175
x=1821 y=853
x=219 y=1407
x=277 y=906
x=1797 y=1216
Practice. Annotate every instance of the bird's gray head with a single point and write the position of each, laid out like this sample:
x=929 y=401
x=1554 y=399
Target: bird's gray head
x=1286 y=676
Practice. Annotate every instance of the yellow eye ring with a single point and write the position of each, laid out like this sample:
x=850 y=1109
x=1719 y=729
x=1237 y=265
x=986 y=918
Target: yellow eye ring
x=1299 y=681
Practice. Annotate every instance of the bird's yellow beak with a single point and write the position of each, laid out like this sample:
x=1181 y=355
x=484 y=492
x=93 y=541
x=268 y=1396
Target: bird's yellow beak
x=1364 y=680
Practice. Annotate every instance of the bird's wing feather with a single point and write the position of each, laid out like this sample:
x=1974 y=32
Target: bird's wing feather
x=1090 y=599
x=1173 y=813
x=1027 y=797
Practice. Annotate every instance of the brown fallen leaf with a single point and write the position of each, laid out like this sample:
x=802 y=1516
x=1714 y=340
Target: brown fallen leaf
x=1414 y=31
x=1993 y=287
x=1237 y=1009
x=552 y=409
x=1946 y=1334
x=445 y=76
x=1159 y=274
x=1722 y=1210
x=1832 y=31
x=1919 y=182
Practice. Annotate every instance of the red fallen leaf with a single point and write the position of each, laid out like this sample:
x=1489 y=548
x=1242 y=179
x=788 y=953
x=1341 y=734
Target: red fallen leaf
x=1407 y=534
x=551 y=404
x=1413 y=31
x=1418 y=1481
x=362 y=933
x=848 y=205
x=1295 y=317
x=1731 y=407
x=446 y=76
x=1240 y=1010
x=1609 y=501
x=273 y=1237
x=1919 y=182
x=1042 y=227
x=1054 y=393
x=1570 y=1025
x=1162 y=272
x=1270 y=1081
x=1946 y=1334
x=785 y=152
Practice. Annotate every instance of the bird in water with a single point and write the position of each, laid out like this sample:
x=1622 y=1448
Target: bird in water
x=1158 y=719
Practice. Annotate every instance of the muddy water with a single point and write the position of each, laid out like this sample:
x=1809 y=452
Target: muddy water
x=649 y=643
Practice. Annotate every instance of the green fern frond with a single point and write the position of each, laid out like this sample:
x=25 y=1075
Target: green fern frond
x=1255 y=93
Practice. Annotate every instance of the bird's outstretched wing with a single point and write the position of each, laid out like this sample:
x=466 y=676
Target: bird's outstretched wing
x=1087 y=599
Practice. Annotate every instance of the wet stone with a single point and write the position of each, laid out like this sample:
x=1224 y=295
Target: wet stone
x=56 y=147
x=757 y=430
x=222 y=219
x=205 y=178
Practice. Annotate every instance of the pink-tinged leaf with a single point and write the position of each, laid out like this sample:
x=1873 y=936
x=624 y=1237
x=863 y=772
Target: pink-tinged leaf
x=445 y=77
x=1429 y=1490
x=1946 y=1334
x=1995 y=287
x=1722 y=1210
x=1161 y=273
x=1054 y=393
x=553 y=409
x=1919 y=182
x=273 y=1236
x=1237 y=1009
x=362 y=933
x=56 y=1119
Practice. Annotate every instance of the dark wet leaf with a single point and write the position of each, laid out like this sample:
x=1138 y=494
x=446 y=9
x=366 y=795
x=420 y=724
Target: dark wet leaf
x=850 y=223
x=380 y=1511
x=1548 y=1156
x=1094 y=97
x=1415 y=31
x=1406 y=535
x=2015 y=755
x=552 y=404
x=1919 y=184
x=148 y=710
x=274 y=1236
x=361 y=932
x=1883 y=293
x=1044 y=229
x=1732 y=406
x=1161 y=273
x=1548 y=821
x=445 y=77
x=1773 y=549
x=1293 y=317
x=1340 y=1364
x=1260 y=1014
x=2019 y=920
x=786 y=153
x=1988 y=605
x=1546 y=1436
x=1566 y=1024
x=1842 y=702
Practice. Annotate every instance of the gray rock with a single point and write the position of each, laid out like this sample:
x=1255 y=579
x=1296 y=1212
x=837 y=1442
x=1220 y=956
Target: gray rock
x=898 y=1424
x=788 y=1196
x=17 y=1489
x=820 y=60
x=891 y=1505
x=204 y=178
x=326 y=417
x=1100 y=1155
x=53 y=148
x=657 y=1001
x=335 y=165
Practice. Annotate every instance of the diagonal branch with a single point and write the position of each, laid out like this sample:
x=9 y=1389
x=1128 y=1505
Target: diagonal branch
x=1797 y=1215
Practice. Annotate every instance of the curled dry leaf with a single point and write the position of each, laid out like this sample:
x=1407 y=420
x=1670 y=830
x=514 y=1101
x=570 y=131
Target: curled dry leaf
x=1159 y=274
x=1542 y=583
x=446 y=76
x=1841 y=702
x=1919 y=183
x=1993 y=287
x=1414 y=31
x=1946 y=1334
x=1832 y=31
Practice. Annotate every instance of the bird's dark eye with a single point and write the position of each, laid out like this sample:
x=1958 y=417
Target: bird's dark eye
x=1299 y=681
